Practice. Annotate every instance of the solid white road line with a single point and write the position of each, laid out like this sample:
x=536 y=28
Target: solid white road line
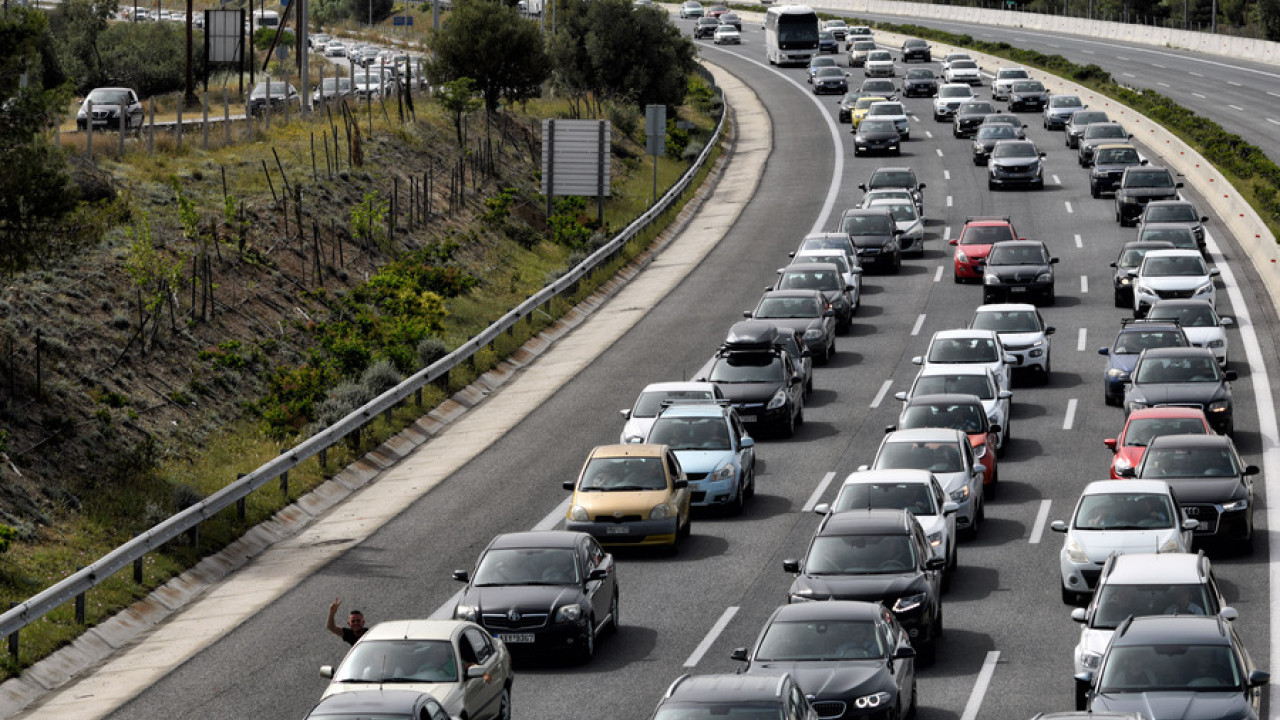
x=915 y=329
x=817 y=492
x=1042 y=518
x=1070 y=419
x=937 y=276
x=980 y=686
x=884 y=390
x=554 y=517
x=1084 y=283
x=712 y=634
x=1273 y=121
x=1082 y=341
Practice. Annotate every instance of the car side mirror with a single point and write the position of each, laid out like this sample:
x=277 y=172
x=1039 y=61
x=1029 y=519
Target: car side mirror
x=1230 y=375
x=1131 y=273
x=950 y=508
x=1204 y=218
x=862 y=187
x=849 y=288
x=1251 y=470
x=1053 y=261
x=1226 y=320
x=935 y=563
x=1085 y=678
x=1012 y=360
x=890 y=428
x=790 y=565
x=598 y=574
x=1259 y=677
x=902 y=396
x=953 y=241
x=1214 y=272
x=626 y=414
x=476 y=671
x=1177 y=185
x=1043 y=154
x=904 y=652
x=568 y=484
x=739 y=654
x=1114 y=265
x=1142 y=162
x=921 y=186
x=1050 y=330
x=748 y=442
x=680 y=484
x=829 y=313
x=1110 y=444
x=746 y=314
x=1079 y=615
x=861 y=468
x=979 y=468
x=917 y=360
x=1058 y=526
x=326 y=671
x=460 y=575
x=994 y=427
x=1190 y=524
x=1004 y=394
x=822 y=508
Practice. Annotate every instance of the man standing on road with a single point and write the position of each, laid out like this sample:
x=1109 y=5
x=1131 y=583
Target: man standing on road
x=355 y=624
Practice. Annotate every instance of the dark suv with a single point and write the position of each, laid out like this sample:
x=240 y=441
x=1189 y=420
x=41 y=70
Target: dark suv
x=1135 y=336
x=1214 y=485
x=734 y=696
x=970 y=115
x=705 y=28
x=877 y=555
x=896 y=177
x=760 y=379
x=1187 y=376
x=1139 y=185
x=1018 y=270
x=1191 y=667
x=916 y=49
x=1109 y=162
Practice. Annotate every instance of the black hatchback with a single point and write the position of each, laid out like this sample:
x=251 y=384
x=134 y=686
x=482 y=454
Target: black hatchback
x=1018 y=271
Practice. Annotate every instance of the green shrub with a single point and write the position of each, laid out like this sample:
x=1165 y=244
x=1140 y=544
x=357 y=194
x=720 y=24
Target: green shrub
x=7 y=534
x=430 y=350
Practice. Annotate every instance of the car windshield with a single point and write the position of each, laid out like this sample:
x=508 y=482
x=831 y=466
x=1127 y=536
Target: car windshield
x=719 y=711
x=1141 y=431
x=527 y=566
x=919 y=74
x=827 y=72
x=963 y=65
x=967 y=418
x=1015 y=150
x=1028 y=86
x=822 y=62
x=864 y=45
x=1117 y=602
x=1135 y=341
x=821 y=640
x=954 y=92
x=827 y=242
x=685 y=433
x=978 y=385
x=877 y=126
x=1179 y=236
x=1155 y=179
x=781 y=308
x=748 y=368
x=879 y=56
x=649 y=404
x=1081 y=119
x=964 y=350
x=836 y=24
x=1172 y=213
x=1065 y=101
x=335 y=83
x=915 y=497
x=1132 y=257
x=810 y=280
x=986 y=234
x=860 y=555
x=901 y=211
x=878 y=87
x=1176 y=666
x=623 y=474
x=1104 y=130
x=1125 y=511
x=277 y=88
x=892 y=179
x=108 y=97
x=840 y=261
x=1007 y=321
x=1187 y=315
x=934 y=457
x=997 y=132
x=876 y=224
x=977 y=108
x=1175 y=462
x=864 y=103
x=1166 y=266
x=1017 y=255
x=1177 y=370
x=882 y=108
x=392 y=661
x=1117 y=156
x=1013 y=74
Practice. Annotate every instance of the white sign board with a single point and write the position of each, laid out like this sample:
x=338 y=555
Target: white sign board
x=575 y=157
x=224 y=35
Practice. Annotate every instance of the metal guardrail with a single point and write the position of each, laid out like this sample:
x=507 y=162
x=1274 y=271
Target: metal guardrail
x=82 y=581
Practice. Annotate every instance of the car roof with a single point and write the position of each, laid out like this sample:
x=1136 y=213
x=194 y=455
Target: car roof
x=863 y=477
x=1113 y=146
x=413 y=630
x=944 y=399
x=1155 y=569
x=1183 y=351
x=1022 y=243
x=628 y=450
x=954 y=369
x=878 y=210
x=963 y=333
x=1183 y=302
x=867 y=522
x=829 y=610
x=986 y=220
x=678 y=385
x=1166 y=412
x=1150 y=244
x=1165 y=629
x=1117 y=487
x=1191 y=441
x=793 y=293
x=1148 y=325
x=811 y=266
x=728 y=686
x=695 y=409
x=1170 y=202
x=1005 y=307
x=924 y=435
x=537 y=539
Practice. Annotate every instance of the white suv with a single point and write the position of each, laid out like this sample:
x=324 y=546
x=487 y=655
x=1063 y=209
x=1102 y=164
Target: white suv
x=1022 y=331
x=1171 y=275
x=969 y=347
x=950 y=96
x=1005 y=78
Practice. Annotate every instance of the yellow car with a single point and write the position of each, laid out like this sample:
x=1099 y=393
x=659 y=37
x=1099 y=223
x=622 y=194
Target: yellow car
x=861 y=107
x=634 y=495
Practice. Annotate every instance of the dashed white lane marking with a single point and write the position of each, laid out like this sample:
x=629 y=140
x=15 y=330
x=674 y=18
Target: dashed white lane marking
x=980 y=686
x=1159 y=66
x=1196 y=94
x=1088 y=52
x=1237 y=108
x=937 y=276
x=946 y=234
x=1273 y=121
x=712 y=634
x=1273 y=94
x=1068 y=204
x=928 y=135
x=915 y=329
x=1042 y=517
x=1194 y=73
x=1084 y=283
x=1162 y=84
x=946 y=174
x=1233 y=83
x=1082 y=339
x=884 y=390
x=1128 y=74
x=1070 y=419
x=1079 y=242
x=1056 y=181
x=939 y=150
x=817 y=492
x=948 y=201
x=1121 y=58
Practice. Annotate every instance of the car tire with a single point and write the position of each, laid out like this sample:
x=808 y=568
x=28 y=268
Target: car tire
x=588 y=651
x=788 y=427
x=912 y=708
x=1119 y=300
x=991 y=184
x=504 y=704
x=946 y=579
x=800 y=416
x=808 y=387
x=897 y=264
x=929 y=652
x=1082 y=695
x=615 y=619
x=751 y=480
x=1051 y=298
x=736 y=506
x=1095 y=192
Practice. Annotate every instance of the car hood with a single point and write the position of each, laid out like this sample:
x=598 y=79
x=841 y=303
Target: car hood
x=872 y=588
x=826 y=680
x=1122 y=361
x=449 y=694
x=533 y=598
x=951 y=481
x=637 y=427
x=1095 y=640
x=1020 y=339
x=749 y=391
x=1174 y=282
x=1015 y=162
x=1017 y=271
x=703 y=461
x=1175 y=705
x=1098 y=544
x=870 y=241
x=872 y=135
x=1177 y=393
x=1204 y=335
x=628 y=502
x=798 y=324
x=1207 y=490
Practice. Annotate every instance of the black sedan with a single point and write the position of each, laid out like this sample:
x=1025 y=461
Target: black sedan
x=874 y=135
x=1213 y=484
x=1130 y=258
x=807 y=312
x=551 y=591
x=1103 y=133
x=1027 y=95
x=1018 y=271
x=275 y=96
x=850 y=658
x=760 y=378
x=830 y=80
x=969 y=115
x=920 y=82
x=916 y=49
x=987 y=136
x=705 y=27
x=1187 y=376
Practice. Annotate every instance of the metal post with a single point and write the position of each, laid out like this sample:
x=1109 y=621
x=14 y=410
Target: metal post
x=284 y=483
x=137 y=571
x=226 y=114
x=204 y=109
x=601 y=159
x=151 y=130
x=180 y=101
x=13 y=638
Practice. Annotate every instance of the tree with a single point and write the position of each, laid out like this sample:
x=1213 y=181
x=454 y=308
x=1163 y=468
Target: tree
x=611 y=51
x=490 y=43
x=459 y=98
x=369 y=11
x=78 y=25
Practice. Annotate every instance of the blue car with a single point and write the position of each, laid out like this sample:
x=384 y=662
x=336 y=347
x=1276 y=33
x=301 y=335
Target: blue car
x=716 y=453
x=827 y=42
x=1134 y=337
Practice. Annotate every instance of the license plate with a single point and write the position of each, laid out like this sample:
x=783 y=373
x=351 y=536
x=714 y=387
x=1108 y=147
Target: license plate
x=617 y=530
x=1017 y=289
x=516 y=637
x=747 y=418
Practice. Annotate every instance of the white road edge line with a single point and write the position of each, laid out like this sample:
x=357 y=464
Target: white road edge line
x=712 y=634
x=1082 y=341
x=817 y=492
x=980 y=686
x=884 y=390
x=1070 y=419
x=915 y=329
x=1042 y=519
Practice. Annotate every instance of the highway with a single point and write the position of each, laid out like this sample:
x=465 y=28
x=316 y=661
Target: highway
x=1003 y=612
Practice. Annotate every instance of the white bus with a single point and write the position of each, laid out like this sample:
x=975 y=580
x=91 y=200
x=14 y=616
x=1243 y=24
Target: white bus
x=791 y=34
x=265 y=19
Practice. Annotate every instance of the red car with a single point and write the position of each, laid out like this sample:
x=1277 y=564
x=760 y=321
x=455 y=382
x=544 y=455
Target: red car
x=975 y=241
x=1143 y=426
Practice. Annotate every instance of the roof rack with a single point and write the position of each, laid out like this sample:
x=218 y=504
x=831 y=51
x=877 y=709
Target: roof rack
x=976 y=218
x=669 y=402
x=1158 y=321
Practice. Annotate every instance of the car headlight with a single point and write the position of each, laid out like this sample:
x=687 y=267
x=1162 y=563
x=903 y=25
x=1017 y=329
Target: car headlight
x=1126 y=280
x=1217 y=343
x=1138 y=405
x=1220 y=406
x=990 y=280
x=889 y=246
x=661 y=511
x=908 y=603
x=872 y=701
x=813 y=334
x=935 y=539
x=778 y=400
x=466 y=612
x=1170 y=545
x=1235 y=505
x=1126 y=200
x=1144 y=288
x=1044 y=277
x=978 y=149
x=577 y=513
x=1090 y=660
x=980 y=451
x=961 y=257
x=1075 y=553
x=961 y=494
x=801 y=597
x=569 y=613
x=1205 y=288
x=1122 y=463
x=724 y=473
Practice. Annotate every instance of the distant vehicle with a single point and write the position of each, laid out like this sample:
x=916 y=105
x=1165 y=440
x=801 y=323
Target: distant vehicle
x=790 y=34
x=1059 y=110
x=726 y=35
x=705 y=28
x=332 y=89
x=691 y=9
x=916 y=49
x=276 y=96
x=108 y=105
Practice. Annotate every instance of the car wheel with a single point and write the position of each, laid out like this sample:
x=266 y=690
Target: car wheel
x=1119 y=300
x=788 y=426
x=946 y=579
x=808 y=387
x=751 y=480
x=831 y=350
x=929 y=652
x=1082 y=695
x=800 y=416
x=911 y=709
x=589 y=646
x=615 y=620
x=1095 y=192
x=504 y=705
x=1051 y=298
x=897 y=264
x=736 y=505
